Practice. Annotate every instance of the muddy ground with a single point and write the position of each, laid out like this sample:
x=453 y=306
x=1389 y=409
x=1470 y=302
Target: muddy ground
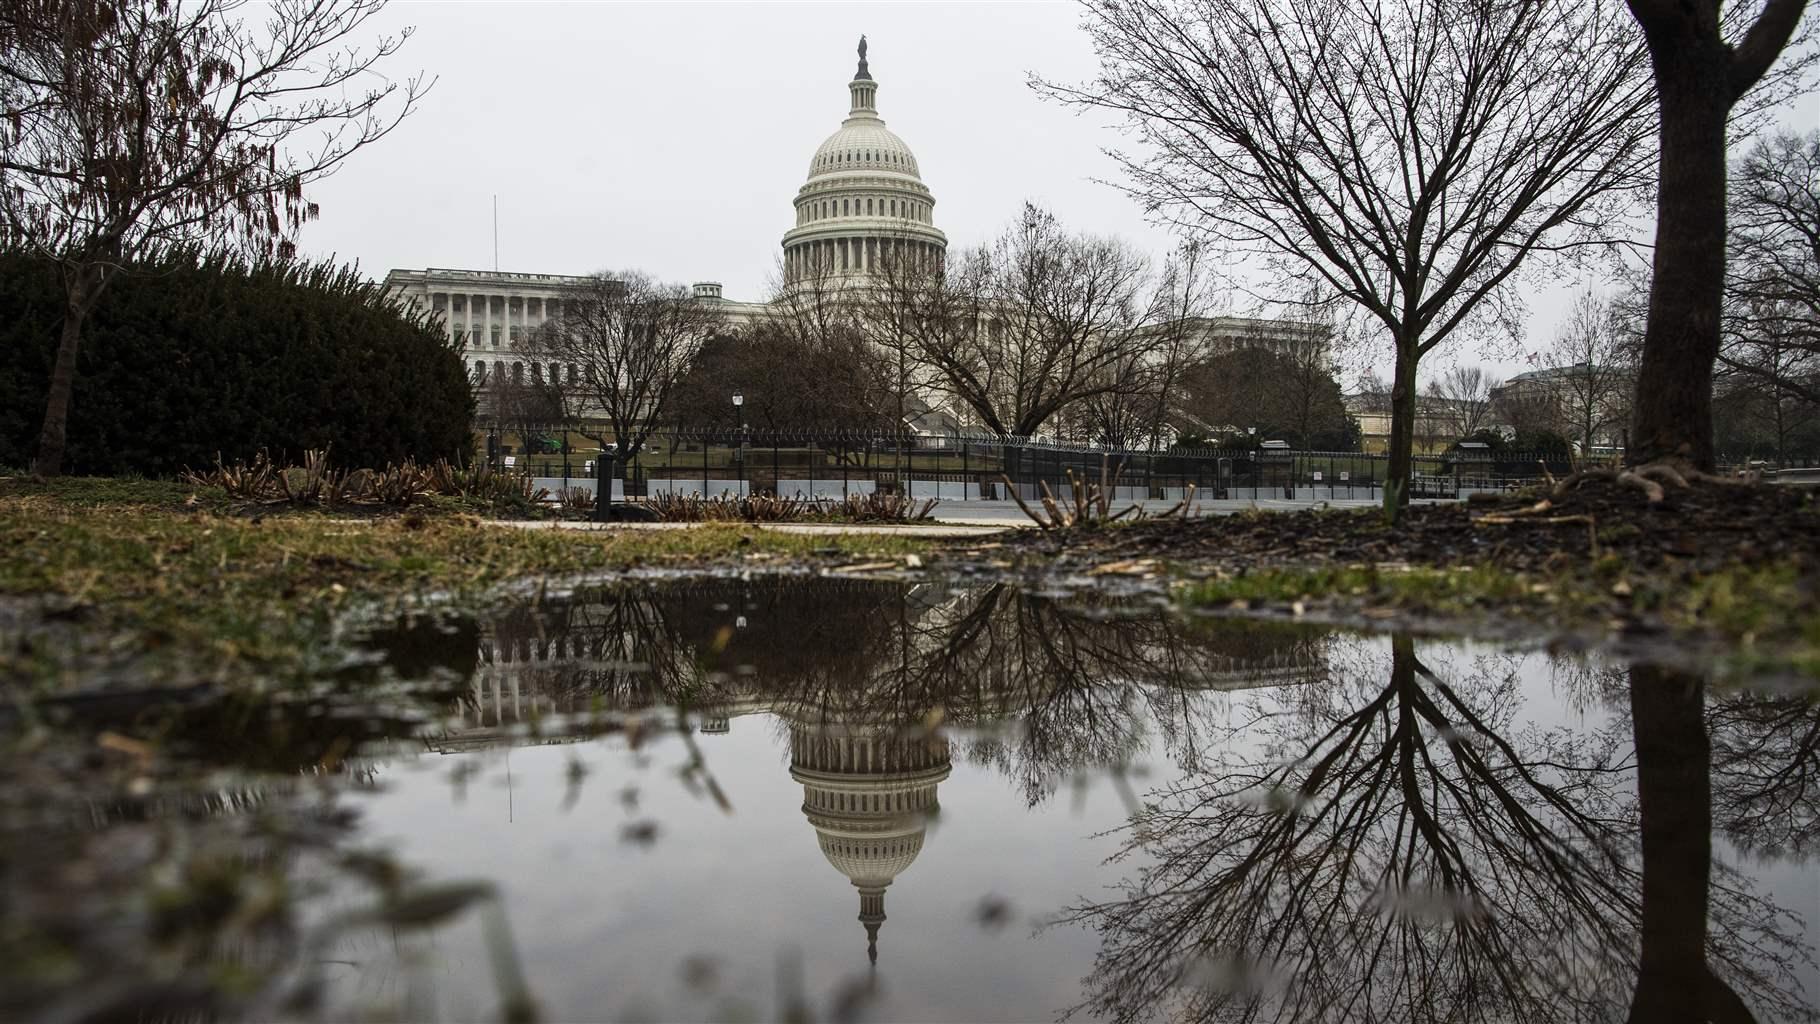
x=1701 y=527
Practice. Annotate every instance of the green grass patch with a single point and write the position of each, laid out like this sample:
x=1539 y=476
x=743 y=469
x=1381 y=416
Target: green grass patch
x=1416 y=588
x=1763 y=611
x=139 y=565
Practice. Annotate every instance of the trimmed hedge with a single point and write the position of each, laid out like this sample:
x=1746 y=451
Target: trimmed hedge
x=204 y=355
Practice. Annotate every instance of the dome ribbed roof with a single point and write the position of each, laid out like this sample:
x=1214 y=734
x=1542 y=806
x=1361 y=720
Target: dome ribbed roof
x=863 y=144
x=875 y=860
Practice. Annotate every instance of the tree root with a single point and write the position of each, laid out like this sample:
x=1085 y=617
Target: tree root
x=1652 y=477
x=1648 y=478
x=1662 y=472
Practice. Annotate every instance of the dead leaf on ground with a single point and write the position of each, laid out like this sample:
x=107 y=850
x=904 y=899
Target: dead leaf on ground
x=1128 y=567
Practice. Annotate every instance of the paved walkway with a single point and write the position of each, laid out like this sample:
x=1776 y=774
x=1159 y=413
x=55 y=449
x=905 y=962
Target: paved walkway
x=1007 y=514
x=953 y=519
x=933 y=531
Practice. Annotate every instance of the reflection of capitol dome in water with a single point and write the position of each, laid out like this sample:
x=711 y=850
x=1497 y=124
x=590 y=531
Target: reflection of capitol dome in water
x=868 y=791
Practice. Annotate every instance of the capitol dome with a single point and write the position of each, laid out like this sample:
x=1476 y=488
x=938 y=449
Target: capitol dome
x=868 y=792
x=864 y=208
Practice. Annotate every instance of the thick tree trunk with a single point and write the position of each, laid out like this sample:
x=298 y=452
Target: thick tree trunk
x=82 y=286
x=1674 y=800
x=1674 y=409
x=1402 y=432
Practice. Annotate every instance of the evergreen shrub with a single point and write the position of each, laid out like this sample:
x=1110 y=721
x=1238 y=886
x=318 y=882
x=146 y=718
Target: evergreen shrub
x=199 y=356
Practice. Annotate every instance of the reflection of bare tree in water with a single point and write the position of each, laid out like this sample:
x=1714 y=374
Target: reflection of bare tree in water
x=1766 y=770
x=1053 y=685
x=1076 y=683
x=1398 y=851
x=1758 y=754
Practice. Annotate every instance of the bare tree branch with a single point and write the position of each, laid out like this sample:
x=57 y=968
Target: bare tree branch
x=1406 y=157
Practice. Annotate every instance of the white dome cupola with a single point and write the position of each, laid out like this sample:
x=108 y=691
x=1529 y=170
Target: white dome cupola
x=865 y=204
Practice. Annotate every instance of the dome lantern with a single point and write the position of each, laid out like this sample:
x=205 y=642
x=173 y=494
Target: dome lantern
x=863 y=88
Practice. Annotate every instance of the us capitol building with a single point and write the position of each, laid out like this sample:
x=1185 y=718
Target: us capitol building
x=864 y=203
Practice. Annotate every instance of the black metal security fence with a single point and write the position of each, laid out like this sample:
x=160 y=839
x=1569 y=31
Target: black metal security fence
x=975 y=467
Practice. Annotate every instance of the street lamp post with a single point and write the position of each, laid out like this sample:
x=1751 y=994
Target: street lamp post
x=739 y=456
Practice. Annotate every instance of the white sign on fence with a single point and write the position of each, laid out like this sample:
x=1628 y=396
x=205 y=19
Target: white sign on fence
x=1317 y=476
x=1345 y=476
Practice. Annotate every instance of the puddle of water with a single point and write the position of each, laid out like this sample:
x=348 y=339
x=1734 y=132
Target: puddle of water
x=840 y=799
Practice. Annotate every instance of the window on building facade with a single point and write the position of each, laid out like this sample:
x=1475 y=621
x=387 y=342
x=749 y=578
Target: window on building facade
x=571 y=373
x=518 y=373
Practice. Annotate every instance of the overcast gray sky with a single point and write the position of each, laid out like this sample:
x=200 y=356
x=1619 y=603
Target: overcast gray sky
x=672 y=137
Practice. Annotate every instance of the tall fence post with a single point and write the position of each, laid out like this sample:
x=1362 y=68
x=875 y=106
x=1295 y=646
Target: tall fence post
x=966 y=466
x=603 y=486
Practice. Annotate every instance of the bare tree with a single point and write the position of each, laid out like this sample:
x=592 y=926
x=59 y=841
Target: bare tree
x=1700 y=78
x=842 y=380
x=1146 y=382
x=1530 y=407
x=1464 y=394
x=529 y=406
x=1761 y=391
x=1433 y=425
x=135 y=125
x=1021 y=328
x=1590 y=370
x=790 y=382
x=1407 y=157
x=630 y=339
x=1309 y=380
x=1772 y=300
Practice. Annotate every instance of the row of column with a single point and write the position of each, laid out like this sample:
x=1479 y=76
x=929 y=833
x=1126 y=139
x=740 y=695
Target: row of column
x=499 y=649
x=892 y=802
x=861 y=254
x=848 y=754
x=546 y=308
